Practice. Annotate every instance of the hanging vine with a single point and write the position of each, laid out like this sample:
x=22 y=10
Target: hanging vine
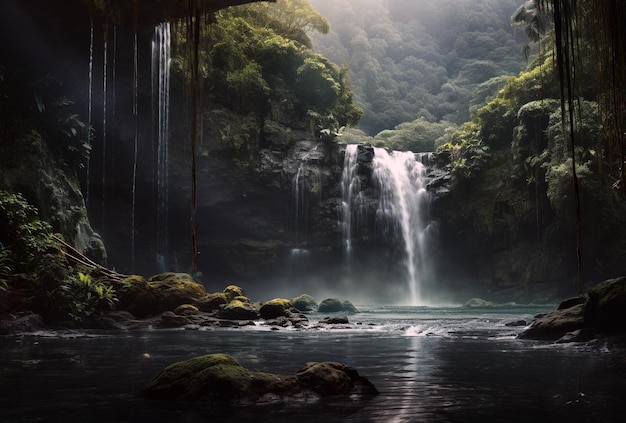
x=599 y=22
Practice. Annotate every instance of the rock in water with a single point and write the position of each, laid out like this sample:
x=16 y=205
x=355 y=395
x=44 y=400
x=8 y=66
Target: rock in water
x=239 y=310
x=330 y=305
x=220 y=378
x=304 y=302
x=278 y=307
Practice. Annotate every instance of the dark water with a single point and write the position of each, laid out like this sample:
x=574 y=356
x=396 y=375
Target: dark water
x=430 y=365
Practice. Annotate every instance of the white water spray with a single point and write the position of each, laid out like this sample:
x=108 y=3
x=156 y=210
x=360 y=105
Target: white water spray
x=403 y=210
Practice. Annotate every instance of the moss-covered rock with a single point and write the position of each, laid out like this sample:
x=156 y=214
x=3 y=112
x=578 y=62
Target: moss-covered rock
x=239 y=310
x=160 y=293
x=174 y=289
x=304 y=302
x=275 y=308
x=212 y=302
x=220 y=378
x=243 y=299
x=186 y=310
x=138 y=297
x=232 y=291
x=170 y=319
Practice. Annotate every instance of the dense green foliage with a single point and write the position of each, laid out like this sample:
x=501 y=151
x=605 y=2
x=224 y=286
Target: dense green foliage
x=31 y=259
x=257 y=61
x=421 y=59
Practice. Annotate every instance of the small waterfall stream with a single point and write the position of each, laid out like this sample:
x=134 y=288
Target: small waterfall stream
x=161 y=58
x=350 y=187
x=133 y=228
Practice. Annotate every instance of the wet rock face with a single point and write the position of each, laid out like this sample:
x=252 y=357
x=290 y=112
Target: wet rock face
x=220 y=378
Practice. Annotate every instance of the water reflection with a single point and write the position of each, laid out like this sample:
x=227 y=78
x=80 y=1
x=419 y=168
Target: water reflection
x=420 y=378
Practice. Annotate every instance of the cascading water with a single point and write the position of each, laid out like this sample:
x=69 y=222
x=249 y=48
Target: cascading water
x=135 y=149
x=403 y=211
x=161 y=58
x=350 y=187
x=105 y=69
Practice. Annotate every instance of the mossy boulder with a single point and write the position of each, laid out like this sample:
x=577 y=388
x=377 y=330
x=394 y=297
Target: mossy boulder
x=232 y=291
x=220 y=378
x=304 y=302
x=212 y=302
x=243 y=299
x=138 y=297
x=170 y=319
x=186 y=310
x=173 y=289
x=333 y=305
x=239 y=310
x=275 y=308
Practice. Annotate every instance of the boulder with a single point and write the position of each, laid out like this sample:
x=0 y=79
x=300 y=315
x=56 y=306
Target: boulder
x=212 y=302
x=339 y=320
x=330 y=305
x=304 y=302
x=333 y=305
x=605 y=309
x=138 y=297
x=348 y=307
x=552 y=326
x=173 y=289
x=220 y=378
x=186 y=310
x=232 y=291
x=478 y=303
x=172 y=320
x=27 y=322
x=278 y=307
x=239 y=310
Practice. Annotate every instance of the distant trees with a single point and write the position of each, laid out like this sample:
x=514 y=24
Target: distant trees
x=411 y=59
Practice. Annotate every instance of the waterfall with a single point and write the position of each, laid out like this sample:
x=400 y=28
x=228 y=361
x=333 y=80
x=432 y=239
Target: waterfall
x=161 y=58
x=104 y=126
x=135 y=149
x=350 y=187
x=403 y=211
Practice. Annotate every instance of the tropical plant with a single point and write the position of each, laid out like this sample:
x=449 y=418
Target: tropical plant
x=466 y=149
x=85 y=297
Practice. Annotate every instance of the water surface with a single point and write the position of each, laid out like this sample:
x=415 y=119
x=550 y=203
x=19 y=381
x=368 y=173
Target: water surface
x=429 y=364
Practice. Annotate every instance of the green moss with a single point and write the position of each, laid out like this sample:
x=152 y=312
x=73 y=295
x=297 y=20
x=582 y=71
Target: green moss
x=233 y=291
